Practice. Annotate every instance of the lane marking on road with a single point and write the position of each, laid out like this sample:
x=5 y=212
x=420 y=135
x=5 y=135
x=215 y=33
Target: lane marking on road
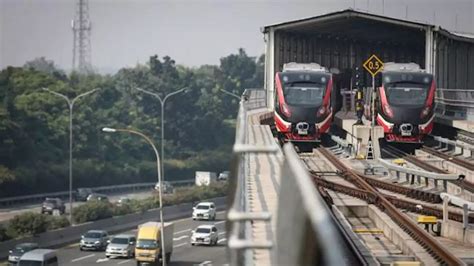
x=221 y=240
x=188 y=218
x=219 y=222
x=221 y=233
x=83 y=258
x=124 y=261
x=205 y=262
x=183 y=231
x=180 y=245
x=179 y=238
x=102 y=260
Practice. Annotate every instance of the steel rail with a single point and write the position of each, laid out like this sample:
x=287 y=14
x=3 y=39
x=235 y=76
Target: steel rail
x=408 y=191
x=439 y=252
x=463 y=163
x=400 y=203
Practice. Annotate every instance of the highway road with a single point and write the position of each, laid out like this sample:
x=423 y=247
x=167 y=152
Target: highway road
x=183 y=252
x=7 y=213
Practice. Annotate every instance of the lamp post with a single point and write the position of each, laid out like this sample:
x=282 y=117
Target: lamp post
x=231 y=94
x=160 y=190
x=70 y=104
x=162 y=103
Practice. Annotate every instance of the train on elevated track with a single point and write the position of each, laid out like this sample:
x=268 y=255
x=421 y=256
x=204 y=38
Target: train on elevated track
x=404 y=103
x=303 y=109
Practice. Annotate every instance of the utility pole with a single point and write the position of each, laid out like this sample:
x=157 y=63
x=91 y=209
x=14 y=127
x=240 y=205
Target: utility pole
x=81 y=29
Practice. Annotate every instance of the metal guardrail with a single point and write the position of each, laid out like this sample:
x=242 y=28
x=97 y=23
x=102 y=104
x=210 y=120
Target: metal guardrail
x=343 y=145
x=306 y=234
x=455 y=103
x=454 y=143
x=239 y=215
x=104 y=189
x=420 y=173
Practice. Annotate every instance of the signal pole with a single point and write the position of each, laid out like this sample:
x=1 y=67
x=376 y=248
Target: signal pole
x=81 y=29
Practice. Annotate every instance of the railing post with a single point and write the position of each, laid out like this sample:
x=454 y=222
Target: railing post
x=465 y=216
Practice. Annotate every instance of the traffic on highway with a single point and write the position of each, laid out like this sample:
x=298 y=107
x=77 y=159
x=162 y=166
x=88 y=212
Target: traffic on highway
x=186 y=241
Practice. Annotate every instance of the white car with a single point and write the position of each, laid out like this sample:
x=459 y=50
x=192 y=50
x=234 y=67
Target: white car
x=223 y=176
x=205 y=234
x=204 y=211
x=167 y=188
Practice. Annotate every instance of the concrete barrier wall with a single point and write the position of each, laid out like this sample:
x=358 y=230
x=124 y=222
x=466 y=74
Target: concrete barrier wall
x=72 y=234
x=455 y=231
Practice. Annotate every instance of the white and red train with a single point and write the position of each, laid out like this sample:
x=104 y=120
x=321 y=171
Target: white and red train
x=303 y=109
x=405 y=103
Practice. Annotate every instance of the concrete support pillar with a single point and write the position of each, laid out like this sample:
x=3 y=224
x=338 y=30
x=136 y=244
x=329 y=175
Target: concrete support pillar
x=435 y=183
x=445 y=210
x=418 y=179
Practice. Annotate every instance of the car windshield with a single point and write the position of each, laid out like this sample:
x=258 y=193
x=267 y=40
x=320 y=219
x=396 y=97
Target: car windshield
x=50 y=201
x=18 y=250
x=405 y=94
x=147 y=244
x=304 y=93
x=203 y=230
x=30 y=263
x=119 y=240
x=202 y=207
x=92 y=235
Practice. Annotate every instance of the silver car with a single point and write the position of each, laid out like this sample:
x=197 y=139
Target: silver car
x=121 y=246
x=94 y=240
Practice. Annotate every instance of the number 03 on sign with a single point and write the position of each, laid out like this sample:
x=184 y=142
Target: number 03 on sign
x=373 y=65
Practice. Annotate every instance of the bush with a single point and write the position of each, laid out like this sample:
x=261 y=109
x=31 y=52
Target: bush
x=26 y=224
x=3 y=234
x=123 y=209
x=56 y=222
x=93 y=211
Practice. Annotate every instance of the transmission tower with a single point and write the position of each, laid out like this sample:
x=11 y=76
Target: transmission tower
x=81 y=29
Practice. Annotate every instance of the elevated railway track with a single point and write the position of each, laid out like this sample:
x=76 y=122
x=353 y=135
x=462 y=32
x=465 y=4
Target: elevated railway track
x=389 y=205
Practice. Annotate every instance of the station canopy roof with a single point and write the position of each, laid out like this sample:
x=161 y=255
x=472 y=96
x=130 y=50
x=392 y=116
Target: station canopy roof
x=354 y=24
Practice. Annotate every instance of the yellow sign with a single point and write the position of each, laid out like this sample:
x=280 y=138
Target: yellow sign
x=373 y=65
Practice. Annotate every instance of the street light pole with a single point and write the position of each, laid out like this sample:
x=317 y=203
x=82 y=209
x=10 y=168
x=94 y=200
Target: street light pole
x=162 y=103
x=70 y=104
x=160 y=190
x=231 y=94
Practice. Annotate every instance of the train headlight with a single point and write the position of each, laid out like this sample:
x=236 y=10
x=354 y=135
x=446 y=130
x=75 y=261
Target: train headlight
x=322 y=111
x=425 y=112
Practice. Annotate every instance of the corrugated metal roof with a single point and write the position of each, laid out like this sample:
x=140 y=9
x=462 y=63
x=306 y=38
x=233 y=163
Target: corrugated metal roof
x=348 y=13
x=345 y=13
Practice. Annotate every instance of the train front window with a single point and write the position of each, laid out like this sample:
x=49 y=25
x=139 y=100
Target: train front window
x=406 y=94
x=304 y=94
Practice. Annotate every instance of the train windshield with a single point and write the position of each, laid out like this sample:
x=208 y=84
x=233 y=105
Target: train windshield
x=406 y=93
x=304 y=93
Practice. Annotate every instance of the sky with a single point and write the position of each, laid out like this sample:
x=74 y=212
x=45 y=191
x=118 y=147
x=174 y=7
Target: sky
x=127 y=32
